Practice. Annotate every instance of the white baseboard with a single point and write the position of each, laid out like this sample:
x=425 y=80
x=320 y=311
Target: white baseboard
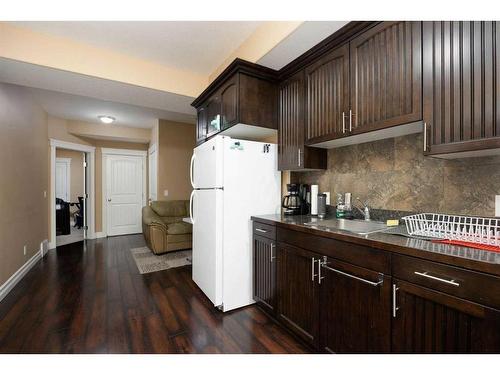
x=19 y=274
x=100 y=235
x=44 y=247
x=52 y=245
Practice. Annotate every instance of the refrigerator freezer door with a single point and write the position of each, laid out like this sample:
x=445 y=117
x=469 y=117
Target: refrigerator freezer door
x=206 y=165
x=252 y=186
x=207 y=242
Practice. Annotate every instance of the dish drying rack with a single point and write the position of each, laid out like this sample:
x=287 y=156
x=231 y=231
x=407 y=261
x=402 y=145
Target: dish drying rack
x=464 y=229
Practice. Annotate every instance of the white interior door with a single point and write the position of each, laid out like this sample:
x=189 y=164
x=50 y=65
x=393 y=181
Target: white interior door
x=153 y=174
x=63 y=178
x=207 y=242
x=124 y=194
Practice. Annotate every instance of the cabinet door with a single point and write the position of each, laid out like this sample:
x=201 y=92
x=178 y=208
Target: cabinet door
x=201 y=124
x=426 y=321
x=298 y=292
x=292 y=154
x=461 y=78
x=264 y=272
x=386 y=72
x=229 y=103
x=213 y=115
x=327 y=83
x=355 y=309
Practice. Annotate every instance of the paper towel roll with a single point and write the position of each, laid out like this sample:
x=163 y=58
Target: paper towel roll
x=314 y=199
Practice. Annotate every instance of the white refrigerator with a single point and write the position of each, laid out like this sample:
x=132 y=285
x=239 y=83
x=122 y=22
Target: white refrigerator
x=232 y=180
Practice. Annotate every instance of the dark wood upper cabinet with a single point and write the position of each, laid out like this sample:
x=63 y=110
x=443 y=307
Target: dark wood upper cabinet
x=427 y=321
x=461 y=80
x=292 y=152
x=298 y=292
x=327 y=89
x=355 y=309
x=386 y=77
x=201 y=124
x=264 y=271
x=244 y=93
x=229 y=102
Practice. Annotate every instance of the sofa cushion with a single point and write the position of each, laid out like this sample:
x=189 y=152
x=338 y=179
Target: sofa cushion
x=179 y=228
x=170 y=208
x=171 y=219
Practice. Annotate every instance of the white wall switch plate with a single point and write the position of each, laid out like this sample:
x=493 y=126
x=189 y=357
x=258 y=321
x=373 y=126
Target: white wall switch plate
x=165 y=193
x=497 y=205
x=45 y=193
x=24 y=249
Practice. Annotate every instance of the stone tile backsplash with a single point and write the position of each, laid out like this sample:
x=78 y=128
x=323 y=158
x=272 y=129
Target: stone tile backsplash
x=394 y=174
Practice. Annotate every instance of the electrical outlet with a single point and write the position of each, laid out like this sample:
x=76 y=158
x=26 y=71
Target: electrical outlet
x=165 y=193
x=24 y=249
x=497 y=205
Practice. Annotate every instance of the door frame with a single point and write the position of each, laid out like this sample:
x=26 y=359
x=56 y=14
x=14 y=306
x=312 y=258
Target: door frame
x=123 y=152
x=66 y=161
x=152 y=149
x=90 y=151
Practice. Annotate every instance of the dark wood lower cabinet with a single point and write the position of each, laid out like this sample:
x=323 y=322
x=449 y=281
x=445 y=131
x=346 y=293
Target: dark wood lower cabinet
x=427 y=321
x=264 y=265
x=335 y=306
x=355 y=312
x=298 y=291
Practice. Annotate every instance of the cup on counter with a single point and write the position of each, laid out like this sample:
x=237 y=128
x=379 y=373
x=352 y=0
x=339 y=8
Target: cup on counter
x=321 y=205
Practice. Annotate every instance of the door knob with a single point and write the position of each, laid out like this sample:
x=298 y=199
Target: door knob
x=109 y=199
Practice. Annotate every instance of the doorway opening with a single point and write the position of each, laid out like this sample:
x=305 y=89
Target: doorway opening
x=72 y=193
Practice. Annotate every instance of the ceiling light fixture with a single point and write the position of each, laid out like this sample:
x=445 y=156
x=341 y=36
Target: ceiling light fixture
x=106 y=119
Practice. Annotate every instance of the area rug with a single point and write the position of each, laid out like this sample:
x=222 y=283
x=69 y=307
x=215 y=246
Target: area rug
x=148 y=262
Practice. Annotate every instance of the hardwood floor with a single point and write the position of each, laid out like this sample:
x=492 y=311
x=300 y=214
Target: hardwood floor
x=91 y=299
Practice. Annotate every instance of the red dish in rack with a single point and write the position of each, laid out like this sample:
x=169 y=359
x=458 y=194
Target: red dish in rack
x=470 y=244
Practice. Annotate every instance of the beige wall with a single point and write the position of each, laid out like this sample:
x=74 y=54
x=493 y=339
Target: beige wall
x=76 y=172
x=175 y=147
x=23 y=178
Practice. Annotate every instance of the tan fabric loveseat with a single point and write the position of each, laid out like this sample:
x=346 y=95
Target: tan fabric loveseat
x=163 y=227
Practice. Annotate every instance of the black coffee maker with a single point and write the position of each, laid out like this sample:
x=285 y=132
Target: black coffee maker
x=295 y=202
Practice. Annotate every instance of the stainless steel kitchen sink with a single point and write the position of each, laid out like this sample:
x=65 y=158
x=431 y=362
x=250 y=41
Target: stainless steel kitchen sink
x=355 y=226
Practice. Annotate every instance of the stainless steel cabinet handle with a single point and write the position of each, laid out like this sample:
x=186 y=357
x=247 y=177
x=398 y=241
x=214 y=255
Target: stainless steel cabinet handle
x=299 y=151
x=343 y=122
x=320 y=264
x=372 y=283
x=350 y=120
x=313 y=275
x=394 y=307
x=260 y=230
x=425 y=136
x=272 y=251
x=425 y=274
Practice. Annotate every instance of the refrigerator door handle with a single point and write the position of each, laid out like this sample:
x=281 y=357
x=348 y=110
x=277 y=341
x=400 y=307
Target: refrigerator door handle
x=191 y=206
x=191 y=168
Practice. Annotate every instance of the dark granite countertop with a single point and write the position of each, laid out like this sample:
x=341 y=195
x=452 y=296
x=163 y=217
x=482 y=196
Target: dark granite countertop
x=470 y=258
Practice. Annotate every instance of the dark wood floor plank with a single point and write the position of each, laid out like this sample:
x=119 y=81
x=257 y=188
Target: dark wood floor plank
x=91 y=298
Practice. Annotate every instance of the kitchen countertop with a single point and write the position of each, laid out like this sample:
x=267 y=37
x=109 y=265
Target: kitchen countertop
x=474 y=259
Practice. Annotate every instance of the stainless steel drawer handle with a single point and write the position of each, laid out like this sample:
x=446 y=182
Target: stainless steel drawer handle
x=425 y=274
x=260 y=230
x=272 y=252
x=313 y=275
x=394 y=302
x=372 y=283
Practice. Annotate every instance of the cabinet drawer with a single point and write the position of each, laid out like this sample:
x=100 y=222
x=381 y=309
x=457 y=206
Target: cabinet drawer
x=470 y=285
x=264 y=230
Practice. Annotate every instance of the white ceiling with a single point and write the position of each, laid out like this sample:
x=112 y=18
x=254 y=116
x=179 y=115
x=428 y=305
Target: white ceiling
x=199 y=46
x=82 y=108
x=83 y=94
x=307 y=35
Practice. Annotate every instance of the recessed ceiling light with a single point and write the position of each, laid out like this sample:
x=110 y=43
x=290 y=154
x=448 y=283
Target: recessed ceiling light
x=106 y=119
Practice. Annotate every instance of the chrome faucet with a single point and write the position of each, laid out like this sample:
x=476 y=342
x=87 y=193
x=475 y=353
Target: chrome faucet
x=365 y=211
